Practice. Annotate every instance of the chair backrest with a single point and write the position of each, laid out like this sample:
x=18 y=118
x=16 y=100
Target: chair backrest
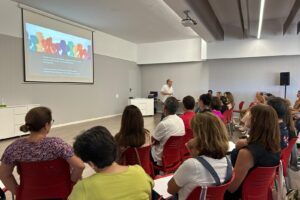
x=140 y=156
x=185 y=154
x=286 y=153
x=258 y=182
x=171 y=157
x=241 y=105
x=44 y=180
x=227 y=116
x=212 y=193
x=187 y=136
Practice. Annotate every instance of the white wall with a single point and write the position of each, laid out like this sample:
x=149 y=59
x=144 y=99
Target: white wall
x=104 y=44
x=266 y=46
x=244 y=77
x=170 y=52
x=189 y=78
x=115 y=71
x=108 y=45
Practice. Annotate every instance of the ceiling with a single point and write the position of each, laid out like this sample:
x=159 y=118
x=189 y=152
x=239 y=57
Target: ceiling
x=138 y=21
x=145 y=21
x=238 y=19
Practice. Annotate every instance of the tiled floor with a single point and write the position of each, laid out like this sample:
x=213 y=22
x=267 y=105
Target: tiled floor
x=68 y=133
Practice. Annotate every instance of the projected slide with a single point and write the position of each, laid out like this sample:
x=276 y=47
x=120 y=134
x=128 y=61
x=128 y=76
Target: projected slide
x=54 y=56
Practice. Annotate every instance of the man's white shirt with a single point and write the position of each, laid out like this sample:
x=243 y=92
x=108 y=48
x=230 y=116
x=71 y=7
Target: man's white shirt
x=172 y=125
x=165 y=88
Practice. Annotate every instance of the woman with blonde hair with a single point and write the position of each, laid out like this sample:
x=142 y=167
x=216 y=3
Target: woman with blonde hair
x=208 y=147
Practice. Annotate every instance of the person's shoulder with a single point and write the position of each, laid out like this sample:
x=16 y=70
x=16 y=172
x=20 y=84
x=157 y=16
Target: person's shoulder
x=191 y=163
x=164 y=86
x=136 y=169
x=54 y=140
x=78 y=191
x=16 y=144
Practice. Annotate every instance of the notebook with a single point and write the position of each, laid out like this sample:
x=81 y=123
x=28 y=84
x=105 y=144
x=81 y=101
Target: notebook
x=161 y=186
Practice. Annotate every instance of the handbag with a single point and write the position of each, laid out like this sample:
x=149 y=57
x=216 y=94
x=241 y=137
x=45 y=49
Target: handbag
x=280 y=192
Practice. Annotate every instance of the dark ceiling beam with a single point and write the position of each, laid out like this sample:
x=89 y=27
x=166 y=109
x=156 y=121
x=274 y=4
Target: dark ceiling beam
x=248 y=16
x=241 y=16
x=205 y=13
x=291 y=16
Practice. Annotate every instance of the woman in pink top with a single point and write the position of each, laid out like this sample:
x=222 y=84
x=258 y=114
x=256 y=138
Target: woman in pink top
x=216 y=105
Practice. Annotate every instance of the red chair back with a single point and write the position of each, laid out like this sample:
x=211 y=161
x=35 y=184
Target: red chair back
x=212 y=193
x=285 y=155
x=257 y=184
x=185 y=154
x=140 y=156
x=171 y=156
x=44 y=180
x=241 y=105
x=227 y=116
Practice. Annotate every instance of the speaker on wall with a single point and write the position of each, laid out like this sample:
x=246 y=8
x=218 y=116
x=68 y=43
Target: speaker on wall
x=284 y=78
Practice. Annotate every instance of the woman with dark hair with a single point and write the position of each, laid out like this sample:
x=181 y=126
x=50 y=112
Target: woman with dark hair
x=216 y=106
x=261 y=149
x=224 y=104
x=37 y=147
x=112 y=181
x=132 y=132
x=204 y=103
x=230 y=100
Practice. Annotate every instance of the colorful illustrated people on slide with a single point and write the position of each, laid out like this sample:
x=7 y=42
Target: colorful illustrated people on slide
x=44 y=40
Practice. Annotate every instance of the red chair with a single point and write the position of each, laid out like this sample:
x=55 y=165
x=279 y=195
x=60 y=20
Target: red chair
x=171 y=155
x=241 y=104
x=212 y=192
x=286 y=154
x=44 y=180
x=185 y=154
x=140 y=156
x=227 y=120
x=258 y=183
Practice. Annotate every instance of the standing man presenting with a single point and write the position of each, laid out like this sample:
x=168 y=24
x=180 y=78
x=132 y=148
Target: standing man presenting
x=165 y=92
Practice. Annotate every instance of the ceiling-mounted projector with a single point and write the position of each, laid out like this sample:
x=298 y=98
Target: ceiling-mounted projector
x=188 y=21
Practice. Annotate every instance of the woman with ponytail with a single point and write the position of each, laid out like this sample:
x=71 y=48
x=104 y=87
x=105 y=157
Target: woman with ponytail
x=37 y=147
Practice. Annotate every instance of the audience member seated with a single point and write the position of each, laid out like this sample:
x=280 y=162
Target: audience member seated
x=37 y=147
x=297 y=102
x=111 y=181
x=230 y=100
x=244 y=115
x=224 y=104
x=281 y=109
x=261 y=149
x=132 y=132
x=292 y=134
x=209 y=145
x=259 y=99
x=216 y=105
x=188 y=107
x=204 y=103
x=171 y=125
x=219 y=94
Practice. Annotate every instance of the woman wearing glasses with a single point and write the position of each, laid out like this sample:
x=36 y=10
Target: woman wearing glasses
x=37 y=147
